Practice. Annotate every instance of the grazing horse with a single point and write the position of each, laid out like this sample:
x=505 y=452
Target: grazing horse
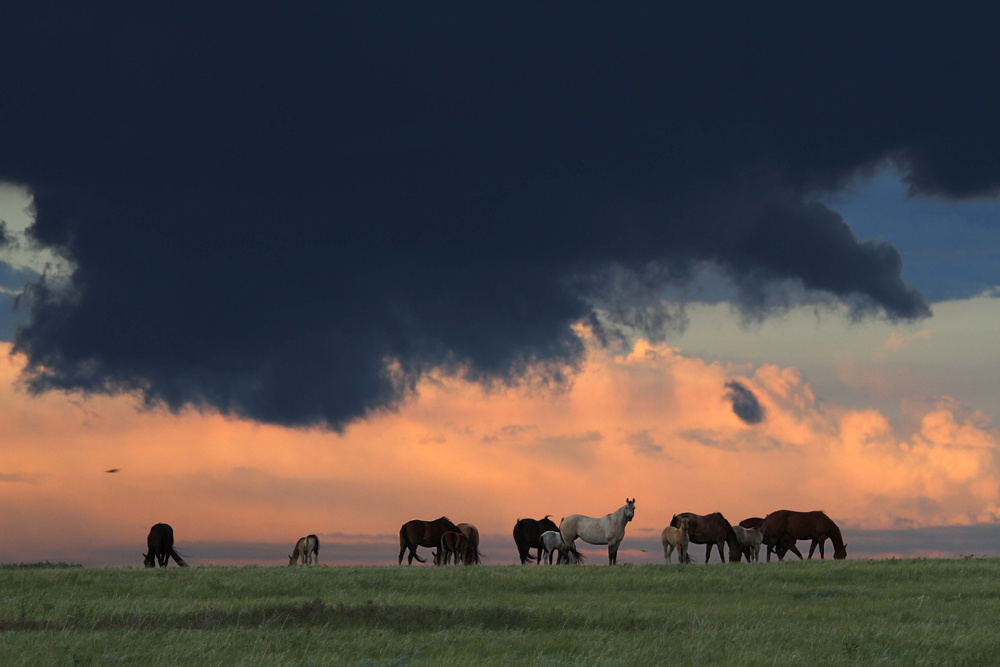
x=472 y=534
x=552 y=542
x=749 y=540
x=782 y=549
x=609 y=529
x=453 y=544
x=786 y=526
x=160 y=543
x=417 y=533
x=711 y=530
x=527 y=536
x=676 y=537
x=307 y=548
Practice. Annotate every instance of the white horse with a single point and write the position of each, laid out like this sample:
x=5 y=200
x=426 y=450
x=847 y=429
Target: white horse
x=609 y=529
x=749 y=540
x=552 y=542
x=307 y=547
x=676 y=538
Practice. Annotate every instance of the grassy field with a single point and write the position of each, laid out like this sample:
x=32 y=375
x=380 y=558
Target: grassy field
x=851 y=612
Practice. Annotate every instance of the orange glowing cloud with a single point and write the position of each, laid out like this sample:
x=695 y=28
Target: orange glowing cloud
x=650 y=423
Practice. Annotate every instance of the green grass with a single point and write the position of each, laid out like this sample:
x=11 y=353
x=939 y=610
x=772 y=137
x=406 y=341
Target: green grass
x=850 y=612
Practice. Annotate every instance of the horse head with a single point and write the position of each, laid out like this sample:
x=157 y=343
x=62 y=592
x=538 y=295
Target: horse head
x=149 y=560
x=629 y=509
x=841 y=553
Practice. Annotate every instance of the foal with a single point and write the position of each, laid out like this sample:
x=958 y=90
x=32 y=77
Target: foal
x=453 y=544
x=307 y=548
x=749 y=540
x=676 y=538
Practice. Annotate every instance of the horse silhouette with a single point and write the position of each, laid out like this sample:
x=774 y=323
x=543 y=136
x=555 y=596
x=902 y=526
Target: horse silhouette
x=418 y=533
x=528 y=534
x=160 y=545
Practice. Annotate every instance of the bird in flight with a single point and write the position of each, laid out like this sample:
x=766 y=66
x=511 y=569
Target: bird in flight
x=113 y=470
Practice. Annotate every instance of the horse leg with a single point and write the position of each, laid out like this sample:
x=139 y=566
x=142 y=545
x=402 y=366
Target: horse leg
x=667 y=550
x=612 y=553
x=821 y=543
x=812 y=548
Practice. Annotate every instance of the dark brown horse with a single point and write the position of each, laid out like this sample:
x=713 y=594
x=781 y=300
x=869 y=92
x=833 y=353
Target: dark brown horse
x=786 y=526
x=160 y=543
x=711 y=530
x=419 y=533
x=528 y=536
x=781 y=549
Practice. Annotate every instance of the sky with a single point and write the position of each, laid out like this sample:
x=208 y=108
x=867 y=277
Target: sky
x=326 y=272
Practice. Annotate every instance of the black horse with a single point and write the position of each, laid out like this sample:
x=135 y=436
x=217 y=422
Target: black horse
x=528 y=536
x=160 y=543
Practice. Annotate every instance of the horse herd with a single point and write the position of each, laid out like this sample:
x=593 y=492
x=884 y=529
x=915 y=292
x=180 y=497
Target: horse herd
x=779 y=531
x=459 y=543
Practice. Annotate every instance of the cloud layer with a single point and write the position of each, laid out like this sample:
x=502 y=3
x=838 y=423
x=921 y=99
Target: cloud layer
x=293 y=218
x=651 y=424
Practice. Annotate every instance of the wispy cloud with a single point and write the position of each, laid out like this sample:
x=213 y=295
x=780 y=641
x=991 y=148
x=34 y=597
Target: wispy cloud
x=897 y=340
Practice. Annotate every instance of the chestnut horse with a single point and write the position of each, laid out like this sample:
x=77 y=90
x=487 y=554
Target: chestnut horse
x=528 y=535
x=417 y=533
x=786 y=526
x=160 y=543
x=712 y=530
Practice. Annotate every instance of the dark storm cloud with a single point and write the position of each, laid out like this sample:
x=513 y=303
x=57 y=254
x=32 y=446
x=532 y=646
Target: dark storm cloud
x=291 y=215
x=744 y=402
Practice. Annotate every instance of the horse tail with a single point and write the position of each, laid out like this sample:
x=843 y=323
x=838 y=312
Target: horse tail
x=177 y=557
x=521 y=542
x=404 y=544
